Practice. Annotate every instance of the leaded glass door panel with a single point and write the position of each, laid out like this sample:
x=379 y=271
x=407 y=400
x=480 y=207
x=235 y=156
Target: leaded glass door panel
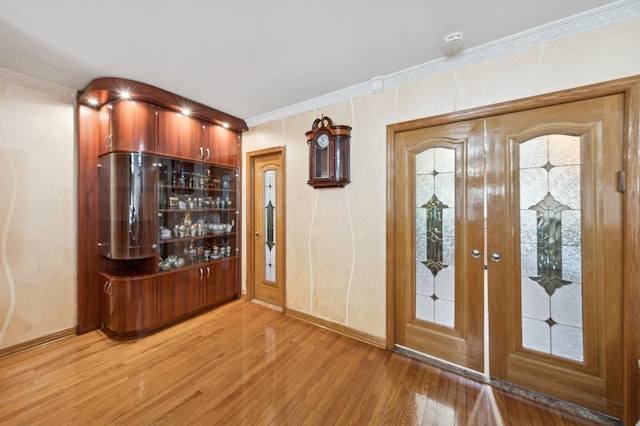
x=554 y=219
x=440 y=212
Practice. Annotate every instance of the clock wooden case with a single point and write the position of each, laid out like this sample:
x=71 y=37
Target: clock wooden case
x=329 y=148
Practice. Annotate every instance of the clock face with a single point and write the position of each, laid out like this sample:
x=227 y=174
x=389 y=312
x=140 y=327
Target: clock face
x=322 y=141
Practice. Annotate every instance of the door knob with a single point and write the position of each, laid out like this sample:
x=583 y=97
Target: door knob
x=496 y=257
x=475 y=253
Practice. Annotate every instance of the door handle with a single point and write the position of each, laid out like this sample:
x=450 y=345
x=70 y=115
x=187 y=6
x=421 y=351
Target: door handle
x=496 y=257
x=475 y=253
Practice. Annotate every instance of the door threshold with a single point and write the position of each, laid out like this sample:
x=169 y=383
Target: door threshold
x=477 y=376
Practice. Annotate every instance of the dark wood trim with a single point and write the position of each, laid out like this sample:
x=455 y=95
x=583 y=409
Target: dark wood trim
x=107 y=89
x=390 y=239
x=630 y=88
x=88 y=143
x=631 y=268
x=36 y=343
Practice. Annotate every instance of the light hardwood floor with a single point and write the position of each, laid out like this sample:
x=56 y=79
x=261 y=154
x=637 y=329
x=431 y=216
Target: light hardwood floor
x=245 y=364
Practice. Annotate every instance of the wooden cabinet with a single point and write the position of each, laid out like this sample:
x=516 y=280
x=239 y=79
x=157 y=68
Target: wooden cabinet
x=103 y=116
x=179 y=135
x=221 y=146
x=180 y=293
x=127 y=126
x=184 y=137
x=163 y=231
x=130 y=304
x=221 y=284
x=132 y=126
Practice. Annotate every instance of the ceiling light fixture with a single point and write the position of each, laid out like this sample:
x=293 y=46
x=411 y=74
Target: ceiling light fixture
x=452 y=43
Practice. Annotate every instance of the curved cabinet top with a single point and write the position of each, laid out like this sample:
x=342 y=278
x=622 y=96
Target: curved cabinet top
x=105 y=90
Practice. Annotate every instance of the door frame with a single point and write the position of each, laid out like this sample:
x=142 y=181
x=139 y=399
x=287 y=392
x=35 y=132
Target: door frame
x=250 y=241
x=630 y=88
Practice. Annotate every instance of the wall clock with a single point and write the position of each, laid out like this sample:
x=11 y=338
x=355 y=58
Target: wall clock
x=328 y=154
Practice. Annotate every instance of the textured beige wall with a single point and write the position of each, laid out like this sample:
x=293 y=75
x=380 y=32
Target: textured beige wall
x=37 y=214
x=336 y=237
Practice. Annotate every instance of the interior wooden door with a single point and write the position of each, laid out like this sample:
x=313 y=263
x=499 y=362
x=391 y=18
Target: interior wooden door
x=533 y=198
x=554 y=236
x=267 y=219
x=438 y=228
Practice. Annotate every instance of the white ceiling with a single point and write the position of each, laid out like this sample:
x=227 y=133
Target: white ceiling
x=248 y=57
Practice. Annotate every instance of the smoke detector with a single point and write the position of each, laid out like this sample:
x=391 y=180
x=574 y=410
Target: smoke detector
x=452 y=43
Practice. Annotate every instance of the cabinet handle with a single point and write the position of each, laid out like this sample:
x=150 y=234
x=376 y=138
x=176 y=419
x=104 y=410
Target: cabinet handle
x=154 y=246
x=108 y=141
x=208 y=272
x=201 y=274
x=108 y=288
x=201 y=153
x=208 y=153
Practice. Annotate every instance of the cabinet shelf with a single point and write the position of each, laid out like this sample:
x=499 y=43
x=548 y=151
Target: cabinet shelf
x=191 y=189
x=198 y=210
x=199 y=262
x=197 y=237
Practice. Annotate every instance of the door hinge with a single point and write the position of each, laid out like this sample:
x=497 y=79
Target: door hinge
x=622 y=181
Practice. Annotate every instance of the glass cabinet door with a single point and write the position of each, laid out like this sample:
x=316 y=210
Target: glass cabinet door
x=127 y=206
x=197 y=213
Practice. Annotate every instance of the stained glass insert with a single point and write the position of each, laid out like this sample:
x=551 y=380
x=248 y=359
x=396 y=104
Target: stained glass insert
x=435 y=236
x=269 y=232
x=551 y=252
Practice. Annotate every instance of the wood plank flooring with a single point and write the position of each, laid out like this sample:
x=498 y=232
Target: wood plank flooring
x=245 y=364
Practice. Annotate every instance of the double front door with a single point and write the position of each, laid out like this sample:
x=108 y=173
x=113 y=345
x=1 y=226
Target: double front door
x=508 y=247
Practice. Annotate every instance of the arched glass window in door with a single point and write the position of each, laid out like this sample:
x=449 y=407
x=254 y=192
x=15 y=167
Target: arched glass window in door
x=551 y=249
x=435 y=236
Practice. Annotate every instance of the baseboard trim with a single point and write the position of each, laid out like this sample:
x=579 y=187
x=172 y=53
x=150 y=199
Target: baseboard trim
x=338 y=328
x=36 y=343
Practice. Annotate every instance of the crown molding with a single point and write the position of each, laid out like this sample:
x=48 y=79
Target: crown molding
x=580 y=23
x=34 y=83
